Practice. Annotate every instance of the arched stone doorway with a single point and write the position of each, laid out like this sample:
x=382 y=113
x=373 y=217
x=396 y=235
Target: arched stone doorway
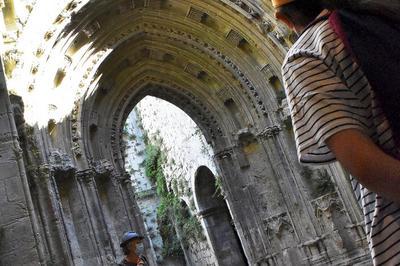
x=81 y=71
x=217 y=220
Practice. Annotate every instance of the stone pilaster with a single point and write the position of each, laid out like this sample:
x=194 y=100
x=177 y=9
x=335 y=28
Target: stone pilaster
x=18 y=223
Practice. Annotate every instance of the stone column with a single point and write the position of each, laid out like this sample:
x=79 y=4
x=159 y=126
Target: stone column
x=235 y=195
x=53 y=231
x=97 y=223
x=19 y=237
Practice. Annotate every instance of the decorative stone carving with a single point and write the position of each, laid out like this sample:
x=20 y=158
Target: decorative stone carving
x=202 y=47
x=235 y=38
x=61 y=17
x=49 y=34
x=327 y=204
x=72 y=5
x=194 y=70
x=266 y=26
x=61 y=162
x=166 y=91
x=245 y=137
x=11 y=59
x=76 y=135
x=315 y=249
x=277 y=224
x=270 y=132
x=197 y=15
x=103 y=167
x=267 y=71
x=85 y=176
x=284 y=110
x=245 y=6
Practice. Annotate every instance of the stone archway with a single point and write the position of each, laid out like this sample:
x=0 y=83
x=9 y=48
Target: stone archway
x=80 y=66
x=217 y=220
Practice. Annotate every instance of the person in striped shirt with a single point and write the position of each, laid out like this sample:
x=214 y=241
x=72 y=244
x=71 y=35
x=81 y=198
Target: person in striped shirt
x=337 y=116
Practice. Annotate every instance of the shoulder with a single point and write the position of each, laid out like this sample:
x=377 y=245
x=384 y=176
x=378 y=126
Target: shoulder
x=314 y=42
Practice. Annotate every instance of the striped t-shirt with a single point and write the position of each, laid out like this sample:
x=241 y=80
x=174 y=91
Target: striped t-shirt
x=327 y=92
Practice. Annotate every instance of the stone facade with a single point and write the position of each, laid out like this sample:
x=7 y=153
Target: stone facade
x=75 y=69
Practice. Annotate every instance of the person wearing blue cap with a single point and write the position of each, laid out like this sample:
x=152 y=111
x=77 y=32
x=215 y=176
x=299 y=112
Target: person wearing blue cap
x=132 y=247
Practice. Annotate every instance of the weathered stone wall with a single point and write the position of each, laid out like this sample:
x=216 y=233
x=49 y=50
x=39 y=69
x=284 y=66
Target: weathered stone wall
x=19 y=239
x=145 y=191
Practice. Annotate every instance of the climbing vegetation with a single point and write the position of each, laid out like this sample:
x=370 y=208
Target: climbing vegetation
x=177 y=225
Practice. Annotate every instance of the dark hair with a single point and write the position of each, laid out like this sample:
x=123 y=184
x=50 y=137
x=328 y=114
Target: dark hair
x=310 y=9
x=302 y=11
x=125 y=248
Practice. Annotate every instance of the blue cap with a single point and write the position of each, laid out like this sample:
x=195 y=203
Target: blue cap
x=128 y=236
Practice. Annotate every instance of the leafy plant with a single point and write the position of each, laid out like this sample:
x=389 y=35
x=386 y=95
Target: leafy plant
x=172 y=215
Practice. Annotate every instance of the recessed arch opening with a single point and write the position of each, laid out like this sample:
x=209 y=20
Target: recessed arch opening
x=216 y=218
x=161 y=161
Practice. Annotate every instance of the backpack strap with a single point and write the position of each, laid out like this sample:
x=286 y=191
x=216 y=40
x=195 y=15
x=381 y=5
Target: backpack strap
x=374 y=43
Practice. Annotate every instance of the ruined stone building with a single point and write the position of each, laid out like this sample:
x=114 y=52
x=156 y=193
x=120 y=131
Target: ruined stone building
x=72 y=72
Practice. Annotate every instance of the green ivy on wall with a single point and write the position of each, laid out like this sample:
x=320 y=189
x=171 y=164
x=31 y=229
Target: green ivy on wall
x=172 y=215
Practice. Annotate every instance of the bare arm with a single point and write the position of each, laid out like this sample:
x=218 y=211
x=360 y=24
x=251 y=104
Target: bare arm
x=373 y=168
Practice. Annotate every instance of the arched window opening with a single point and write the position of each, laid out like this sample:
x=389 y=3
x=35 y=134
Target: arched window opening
x=216 y=218
x=163 y=148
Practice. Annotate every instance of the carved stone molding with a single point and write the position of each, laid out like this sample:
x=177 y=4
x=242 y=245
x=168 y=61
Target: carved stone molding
x=327 y=204
x=39 y=174
x=187 y=39
x=76 y=135
x=267 y=70
x=194 y=70
x=167 y=89
x=224 y=94
x=103 y=167
x=61 y=162
x=224 y=154
x=235 y=38
x=197 y=15
x=271 y=259
x=276 y=224
x=245 y=136
x=315 y=250
x=85 y=176
x=270 y=132
x=246 y=7
x=266 y=26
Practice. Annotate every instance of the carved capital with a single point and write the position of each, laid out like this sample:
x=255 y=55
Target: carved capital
x=270 y=132
x=61 y=162
x=85 y=176
x=103 y=167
